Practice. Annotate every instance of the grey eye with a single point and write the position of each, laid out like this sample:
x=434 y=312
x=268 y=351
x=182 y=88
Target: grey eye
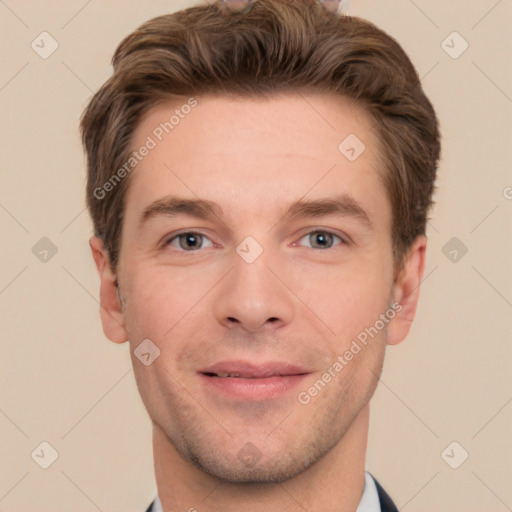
x=321 y=239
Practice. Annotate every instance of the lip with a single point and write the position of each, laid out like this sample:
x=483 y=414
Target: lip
x=253 y=381
x=248 y=370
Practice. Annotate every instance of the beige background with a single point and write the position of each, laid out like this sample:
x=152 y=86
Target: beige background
x=62 y=382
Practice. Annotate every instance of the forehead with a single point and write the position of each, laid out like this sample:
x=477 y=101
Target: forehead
x=245 y=153
x=288 y=120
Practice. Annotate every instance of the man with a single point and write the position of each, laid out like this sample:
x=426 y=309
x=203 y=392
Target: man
x=259 y=180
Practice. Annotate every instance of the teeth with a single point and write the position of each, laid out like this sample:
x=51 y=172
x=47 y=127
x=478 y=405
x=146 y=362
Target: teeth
x=224 y=375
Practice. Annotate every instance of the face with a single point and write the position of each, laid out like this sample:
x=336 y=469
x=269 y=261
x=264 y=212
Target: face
x=253 y=247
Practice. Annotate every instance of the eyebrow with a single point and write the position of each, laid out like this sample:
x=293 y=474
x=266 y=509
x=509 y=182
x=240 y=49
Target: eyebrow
x=343 y=205
x=171 y=206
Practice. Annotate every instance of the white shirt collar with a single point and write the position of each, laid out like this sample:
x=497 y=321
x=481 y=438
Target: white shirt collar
x=157 y=506
x=369 y=500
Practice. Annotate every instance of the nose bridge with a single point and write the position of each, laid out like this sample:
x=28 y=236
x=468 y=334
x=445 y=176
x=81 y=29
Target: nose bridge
x=251 y=295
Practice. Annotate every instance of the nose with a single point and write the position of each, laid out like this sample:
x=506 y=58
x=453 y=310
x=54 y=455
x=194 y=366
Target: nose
x=252 y=298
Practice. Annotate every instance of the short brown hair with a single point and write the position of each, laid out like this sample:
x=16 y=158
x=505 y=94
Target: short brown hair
x=279 y=46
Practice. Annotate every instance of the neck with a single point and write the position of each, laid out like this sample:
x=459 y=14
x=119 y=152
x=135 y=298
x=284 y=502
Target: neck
x=334 y=483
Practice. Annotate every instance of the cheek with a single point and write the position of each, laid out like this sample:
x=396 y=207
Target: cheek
x=150 y=309
x=348 y=299
x=159 y=298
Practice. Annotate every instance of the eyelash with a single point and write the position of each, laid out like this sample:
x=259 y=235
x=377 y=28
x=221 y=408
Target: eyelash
x=198 y=233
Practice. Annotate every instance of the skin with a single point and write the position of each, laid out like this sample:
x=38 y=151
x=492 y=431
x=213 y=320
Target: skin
x=300 y=301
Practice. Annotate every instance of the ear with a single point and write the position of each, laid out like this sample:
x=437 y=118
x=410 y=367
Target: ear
x=406 y=291
x=111 y=312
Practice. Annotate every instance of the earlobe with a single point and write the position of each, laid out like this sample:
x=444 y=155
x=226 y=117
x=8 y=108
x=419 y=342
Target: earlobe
x=111 y=313
x=406 y=291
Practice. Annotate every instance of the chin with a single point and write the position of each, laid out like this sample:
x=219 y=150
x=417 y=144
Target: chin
x=261 y=474
x=250 y=466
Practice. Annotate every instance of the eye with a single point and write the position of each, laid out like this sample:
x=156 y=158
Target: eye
x=189 y=241
x=321 y=239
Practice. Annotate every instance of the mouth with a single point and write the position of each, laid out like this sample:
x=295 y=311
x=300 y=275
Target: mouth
x=247 y=381
x=224 y=375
